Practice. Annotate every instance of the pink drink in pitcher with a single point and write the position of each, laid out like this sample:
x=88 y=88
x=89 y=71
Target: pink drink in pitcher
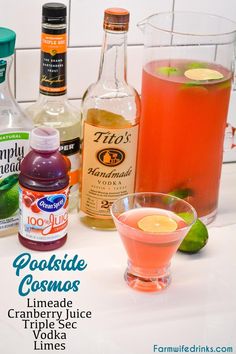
x=186 y=84
x=182 y=131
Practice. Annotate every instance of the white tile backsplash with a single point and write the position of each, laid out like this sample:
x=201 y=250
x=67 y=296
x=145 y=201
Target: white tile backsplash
x=134 y=72
x=226 y=8
x=24 y=17
x=82 y=70
x=85 y=39
x=87 y=18
x=27 y=74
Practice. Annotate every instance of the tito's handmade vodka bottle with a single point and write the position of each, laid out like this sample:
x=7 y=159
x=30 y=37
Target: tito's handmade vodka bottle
x=53 y=108
x=111 y=110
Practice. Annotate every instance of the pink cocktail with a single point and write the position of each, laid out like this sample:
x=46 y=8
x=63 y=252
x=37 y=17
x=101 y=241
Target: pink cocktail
x=151 y=226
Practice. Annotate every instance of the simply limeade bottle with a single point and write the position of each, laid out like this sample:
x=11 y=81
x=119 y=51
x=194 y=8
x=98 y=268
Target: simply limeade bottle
x=14 y=138
x=44 y=190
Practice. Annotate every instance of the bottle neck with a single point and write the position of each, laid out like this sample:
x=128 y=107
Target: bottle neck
x=5 y=65
x=53 y=82
x=113 y=58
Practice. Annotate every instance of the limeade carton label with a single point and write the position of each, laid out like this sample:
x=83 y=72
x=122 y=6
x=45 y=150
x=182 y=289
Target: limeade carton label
x=13 y=147
x=43 y=216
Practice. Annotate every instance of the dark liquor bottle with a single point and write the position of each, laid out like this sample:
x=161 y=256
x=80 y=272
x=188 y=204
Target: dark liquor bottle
x=53 y=108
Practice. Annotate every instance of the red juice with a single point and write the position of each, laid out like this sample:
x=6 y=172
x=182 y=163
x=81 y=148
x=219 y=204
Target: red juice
x=182 y=131
x=44 y=189
x=149 y=251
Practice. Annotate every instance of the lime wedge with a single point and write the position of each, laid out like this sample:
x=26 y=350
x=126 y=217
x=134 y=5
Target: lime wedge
x=168 y=71
x=157 y=223
x=9 y=201
x=196 y=238
x=224 y=84
x=203 y=74
x=8 y=182
x=179 y=193
x=196 y=65
x=188 y=217
x=192 y=84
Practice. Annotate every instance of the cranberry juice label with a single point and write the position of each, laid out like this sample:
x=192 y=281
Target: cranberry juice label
x=43 y=216
x=13 y=147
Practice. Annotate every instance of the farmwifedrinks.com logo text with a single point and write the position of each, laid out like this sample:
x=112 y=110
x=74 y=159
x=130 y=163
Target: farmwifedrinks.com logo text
x=192 y=349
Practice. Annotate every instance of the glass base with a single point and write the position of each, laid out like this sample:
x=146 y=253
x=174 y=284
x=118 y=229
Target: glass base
x=207 y=219
x=148 y=281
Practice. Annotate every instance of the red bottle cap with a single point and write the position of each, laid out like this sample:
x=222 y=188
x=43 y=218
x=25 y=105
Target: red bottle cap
x=116 y=19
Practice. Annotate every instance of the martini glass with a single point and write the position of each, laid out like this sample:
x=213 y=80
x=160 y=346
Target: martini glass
x=151 y=227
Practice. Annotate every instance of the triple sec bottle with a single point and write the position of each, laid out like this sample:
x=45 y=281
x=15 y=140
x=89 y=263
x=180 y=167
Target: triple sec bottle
x=53 y=108
x=111 y=111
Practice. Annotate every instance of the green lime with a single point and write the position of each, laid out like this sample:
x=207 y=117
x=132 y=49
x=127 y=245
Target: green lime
x=196 y=65
x=224 y=84
x=195 y=87
x=196 y=238
x=168 y=71
x=9 y=201
x=179 y=193
x=192 y=84
x=188 y=217
x=8 y=182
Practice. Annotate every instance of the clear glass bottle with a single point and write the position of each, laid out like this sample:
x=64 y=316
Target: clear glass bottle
x=111 y=111
x=53 y=108
x=14 y=138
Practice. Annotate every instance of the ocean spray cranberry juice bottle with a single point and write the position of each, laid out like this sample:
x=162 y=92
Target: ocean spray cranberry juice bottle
x=44 y=190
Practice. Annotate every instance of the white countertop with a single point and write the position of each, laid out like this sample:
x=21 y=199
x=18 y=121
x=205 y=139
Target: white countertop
x=198 y=308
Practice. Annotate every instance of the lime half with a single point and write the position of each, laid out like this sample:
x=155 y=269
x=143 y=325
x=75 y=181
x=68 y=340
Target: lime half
x=196 y=238
x=202 y=74
x=9 y=201
x=168 y=71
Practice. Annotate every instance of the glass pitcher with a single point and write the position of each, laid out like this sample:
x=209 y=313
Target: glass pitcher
x=186 y=84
